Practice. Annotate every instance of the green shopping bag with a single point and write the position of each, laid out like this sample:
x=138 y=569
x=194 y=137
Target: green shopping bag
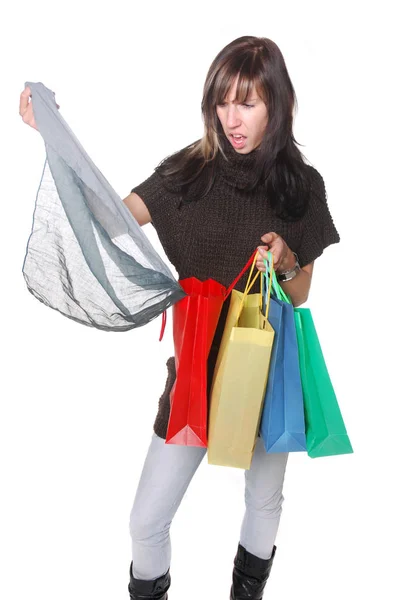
x=325 y=429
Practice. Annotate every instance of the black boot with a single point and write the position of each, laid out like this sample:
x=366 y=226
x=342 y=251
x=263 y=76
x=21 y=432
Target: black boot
x=153 y=589
x=250 y=575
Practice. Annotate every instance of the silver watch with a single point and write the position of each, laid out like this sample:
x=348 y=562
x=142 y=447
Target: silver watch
x=290 y=273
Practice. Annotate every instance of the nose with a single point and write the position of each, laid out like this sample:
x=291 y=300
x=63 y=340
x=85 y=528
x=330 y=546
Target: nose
x=232 y=119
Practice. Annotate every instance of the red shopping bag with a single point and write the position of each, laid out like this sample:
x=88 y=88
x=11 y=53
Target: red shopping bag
x=195 y=319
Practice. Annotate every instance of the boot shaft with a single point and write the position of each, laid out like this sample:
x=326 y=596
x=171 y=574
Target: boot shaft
x=250 y=575
x=153 y=589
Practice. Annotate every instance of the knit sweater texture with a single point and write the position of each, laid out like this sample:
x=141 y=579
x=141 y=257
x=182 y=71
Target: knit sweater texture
x=215 y=236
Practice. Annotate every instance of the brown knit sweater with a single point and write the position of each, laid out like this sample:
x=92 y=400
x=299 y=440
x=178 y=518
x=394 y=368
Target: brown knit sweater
x=215 y=236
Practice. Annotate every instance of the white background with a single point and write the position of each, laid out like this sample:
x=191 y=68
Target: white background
x=78 y=405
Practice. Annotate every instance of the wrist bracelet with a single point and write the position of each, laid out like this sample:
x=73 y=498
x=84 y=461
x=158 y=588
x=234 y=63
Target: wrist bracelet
x=290 y=273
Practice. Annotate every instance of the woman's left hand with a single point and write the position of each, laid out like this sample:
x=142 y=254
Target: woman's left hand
x=283 y=257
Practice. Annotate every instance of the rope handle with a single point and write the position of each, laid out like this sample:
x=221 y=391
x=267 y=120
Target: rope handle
x=229 y=290
x=251 y=282
x=245 y=268
x=163 y=325
x=278 y=291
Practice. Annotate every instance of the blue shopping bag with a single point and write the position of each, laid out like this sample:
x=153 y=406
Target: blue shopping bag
x=282 y=426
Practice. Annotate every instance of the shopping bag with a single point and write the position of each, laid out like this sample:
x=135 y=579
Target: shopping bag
x=239 y=380
x=325 y=428
x=195 y=318
x=194 y=323
x=282 y=427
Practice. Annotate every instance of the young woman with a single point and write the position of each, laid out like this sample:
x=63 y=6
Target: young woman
x=244 y=184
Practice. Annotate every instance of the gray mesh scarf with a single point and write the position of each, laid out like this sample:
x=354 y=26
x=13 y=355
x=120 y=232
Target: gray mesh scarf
x=86 y=256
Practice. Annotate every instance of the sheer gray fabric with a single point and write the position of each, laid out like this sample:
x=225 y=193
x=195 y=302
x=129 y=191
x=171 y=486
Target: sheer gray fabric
x=86 y=256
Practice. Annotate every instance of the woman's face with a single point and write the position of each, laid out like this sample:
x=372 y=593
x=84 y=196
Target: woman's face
x=243 y=124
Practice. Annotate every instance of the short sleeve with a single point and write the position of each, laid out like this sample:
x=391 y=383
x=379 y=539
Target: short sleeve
x=152 y=191
x=318 y=229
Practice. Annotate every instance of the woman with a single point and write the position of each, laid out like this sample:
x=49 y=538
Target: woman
x=244 y=184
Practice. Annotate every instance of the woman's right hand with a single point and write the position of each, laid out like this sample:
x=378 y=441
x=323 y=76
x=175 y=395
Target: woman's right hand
x=26 y=109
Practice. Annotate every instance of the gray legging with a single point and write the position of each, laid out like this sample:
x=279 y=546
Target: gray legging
x=167 y=472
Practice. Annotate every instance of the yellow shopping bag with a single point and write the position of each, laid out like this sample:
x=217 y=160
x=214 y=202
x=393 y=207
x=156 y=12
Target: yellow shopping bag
x=240 y=378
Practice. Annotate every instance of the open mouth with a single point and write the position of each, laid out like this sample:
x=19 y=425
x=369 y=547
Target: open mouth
x=238 y=141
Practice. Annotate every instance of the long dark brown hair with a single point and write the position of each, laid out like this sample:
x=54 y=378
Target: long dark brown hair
x=279 y=165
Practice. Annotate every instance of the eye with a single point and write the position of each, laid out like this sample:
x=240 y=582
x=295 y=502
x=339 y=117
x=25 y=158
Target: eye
x=247 y=105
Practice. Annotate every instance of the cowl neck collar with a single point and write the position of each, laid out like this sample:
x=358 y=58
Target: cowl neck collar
x=235 y=168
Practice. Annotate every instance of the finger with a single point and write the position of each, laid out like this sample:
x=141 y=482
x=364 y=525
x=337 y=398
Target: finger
x=265 y=256
x=260 y=263
x=24 y=100
x=263 y=250
x=269 y=237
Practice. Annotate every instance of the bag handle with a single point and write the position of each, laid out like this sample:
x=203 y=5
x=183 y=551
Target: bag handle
x=270 y=266
x=245 y=268
x=251 y=282
x=249 y=263
x=279 y=292
x=163 y=325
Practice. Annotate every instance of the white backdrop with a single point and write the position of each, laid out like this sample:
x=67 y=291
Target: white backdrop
x=78 y=405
